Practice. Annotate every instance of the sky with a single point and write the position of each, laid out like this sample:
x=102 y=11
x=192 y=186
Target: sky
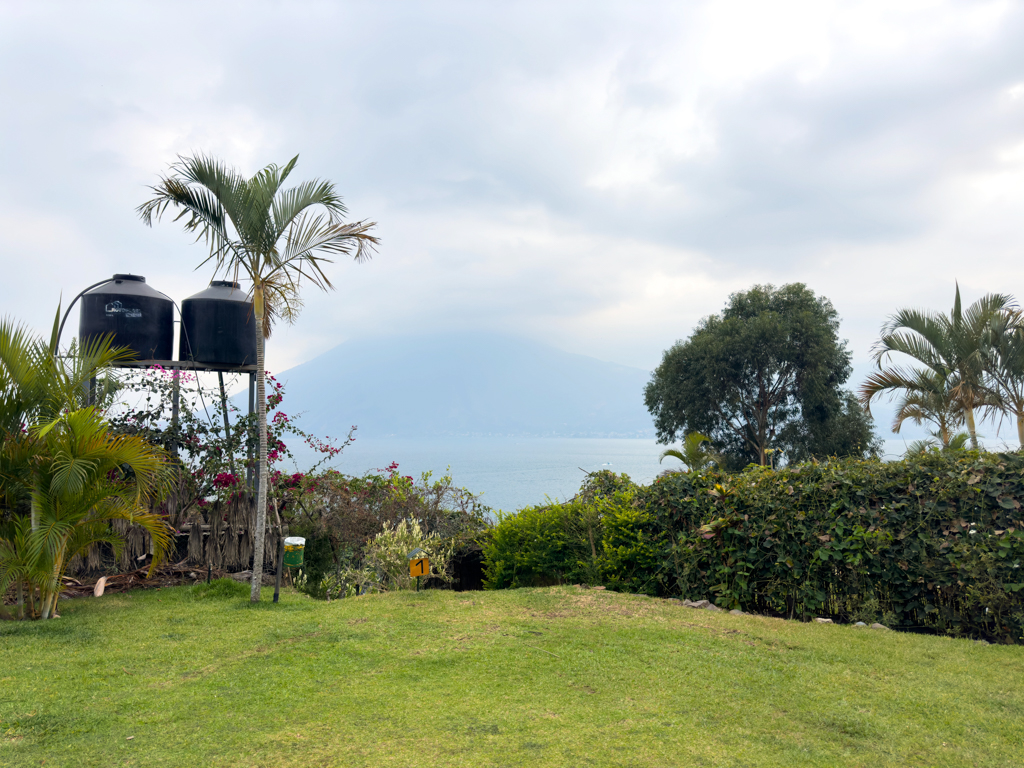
x=598 y=176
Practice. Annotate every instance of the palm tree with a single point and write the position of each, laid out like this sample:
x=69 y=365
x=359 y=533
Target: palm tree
x=63 y=476
x=272 y=236
x=927 y=397
x=693 y=456
x=952 y=348
x=1005 y=365
x=956 y=443
x=37 y=383
x=84 y=477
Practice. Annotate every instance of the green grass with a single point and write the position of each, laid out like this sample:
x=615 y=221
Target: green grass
x=544 y=677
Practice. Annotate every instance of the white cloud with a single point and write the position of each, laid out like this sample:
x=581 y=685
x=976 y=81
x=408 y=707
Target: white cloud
x=597 y=175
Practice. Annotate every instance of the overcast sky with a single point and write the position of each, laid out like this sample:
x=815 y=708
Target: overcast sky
x=597 y=176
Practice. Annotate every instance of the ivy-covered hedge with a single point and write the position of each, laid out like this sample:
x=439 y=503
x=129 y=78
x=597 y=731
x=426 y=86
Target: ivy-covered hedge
x=934 y=543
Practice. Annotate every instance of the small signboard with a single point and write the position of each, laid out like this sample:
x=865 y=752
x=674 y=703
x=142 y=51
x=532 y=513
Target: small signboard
x=419 y=567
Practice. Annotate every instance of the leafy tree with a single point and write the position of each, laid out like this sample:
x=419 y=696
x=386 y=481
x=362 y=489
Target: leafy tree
x=276 y=238
x=953 y=348
x=765 y=373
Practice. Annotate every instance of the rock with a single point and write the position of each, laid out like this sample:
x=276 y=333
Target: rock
x=876 y=625
x=983 y=642
x=711 y=607
x=737 y=612
x=696 y=603
x=824 y=621
x=860 y=624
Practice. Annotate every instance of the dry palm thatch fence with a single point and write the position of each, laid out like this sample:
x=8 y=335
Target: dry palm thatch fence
x=218 y=536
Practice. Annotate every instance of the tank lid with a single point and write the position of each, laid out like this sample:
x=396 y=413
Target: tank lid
x=133 y=278
x=222 y=290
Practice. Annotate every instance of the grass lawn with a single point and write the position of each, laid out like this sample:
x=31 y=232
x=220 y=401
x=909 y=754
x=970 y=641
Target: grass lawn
x=542 y=677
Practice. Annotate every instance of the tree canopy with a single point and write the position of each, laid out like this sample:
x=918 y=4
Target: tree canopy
x=764 y=374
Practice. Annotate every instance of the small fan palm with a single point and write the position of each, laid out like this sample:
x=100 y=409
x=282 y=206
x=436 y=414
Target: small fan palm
x=273 y=236
x=693 y=454
x=957 y=442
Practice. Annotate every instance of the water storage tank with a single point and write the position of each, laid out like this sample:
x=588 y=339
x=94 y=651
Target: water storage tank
x=218 y=327
x=138 y=316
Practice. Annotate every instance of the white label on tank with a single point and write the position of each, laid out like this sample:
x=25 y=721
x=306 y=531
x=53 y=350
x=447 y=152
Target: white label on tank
x=117 y=308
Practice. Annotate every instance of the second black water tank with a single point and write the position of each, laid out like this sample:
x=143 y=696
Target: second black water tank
x=218 y=327
x=138 y=317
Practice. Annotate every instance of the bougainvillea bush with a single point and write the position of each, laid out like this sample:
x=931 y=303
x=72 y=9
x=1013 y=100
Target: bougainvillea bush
x=932 y=543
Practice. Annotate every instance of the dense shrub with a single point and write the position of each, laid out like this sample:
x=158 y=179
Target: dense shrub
x=931 y=543
x=592 y=538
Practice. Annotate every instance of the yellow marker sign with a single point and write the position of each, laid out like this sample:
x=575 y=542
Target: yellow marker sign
x=419 y=567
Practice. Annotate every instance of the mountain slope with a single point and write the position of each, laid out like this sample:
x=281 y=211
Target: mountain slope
x=468 y=384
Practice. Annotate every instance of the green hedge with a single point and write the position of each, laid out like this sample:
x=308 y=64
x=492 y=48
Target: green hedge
x=932 y=543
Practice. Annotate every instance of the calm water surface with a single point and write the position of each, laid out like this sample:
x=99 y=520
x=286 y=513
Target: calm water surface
x=511 y=473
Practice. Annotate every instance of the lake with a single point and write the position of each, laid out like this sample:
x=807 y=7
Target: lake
x=511 y=473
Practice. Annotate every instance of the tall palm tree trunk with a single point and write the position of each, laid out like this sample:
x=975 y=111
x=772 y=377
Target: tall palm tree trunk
x=1020 y=427
x=261 y=416
x=969 y=413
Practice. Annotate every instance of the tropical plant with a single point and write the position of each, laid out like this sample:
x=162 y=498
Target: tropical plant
x=273 y=236
x=1005 y=365
x=930 y=397
x=953 y=348
x=82 y=478
x=63 y=475
x=693 y=454
x=957 y=442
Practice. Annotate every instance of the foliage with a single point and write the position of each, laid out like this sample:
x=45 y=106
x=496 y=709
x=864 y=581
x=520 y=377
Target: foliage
x=350 y=522
x=387 y=554
x=540 y=546
x=765 y=373
x=694 y=455
x=64 y=475
x=954 y=352
x=957 y=442
x=1004 y=365
x=273 y=236
x=213 y=442
x=590 y=539
x=934 y=541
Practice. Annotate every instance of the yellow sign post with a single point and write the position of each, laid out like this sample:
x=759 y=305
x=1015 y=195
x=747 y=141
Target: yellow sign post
x=418 y=565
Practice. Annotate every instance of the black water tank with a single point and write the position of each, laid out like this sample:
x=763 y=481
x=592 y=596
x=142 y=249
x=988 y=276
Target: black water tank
x=218 y=327
x=138 y=316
